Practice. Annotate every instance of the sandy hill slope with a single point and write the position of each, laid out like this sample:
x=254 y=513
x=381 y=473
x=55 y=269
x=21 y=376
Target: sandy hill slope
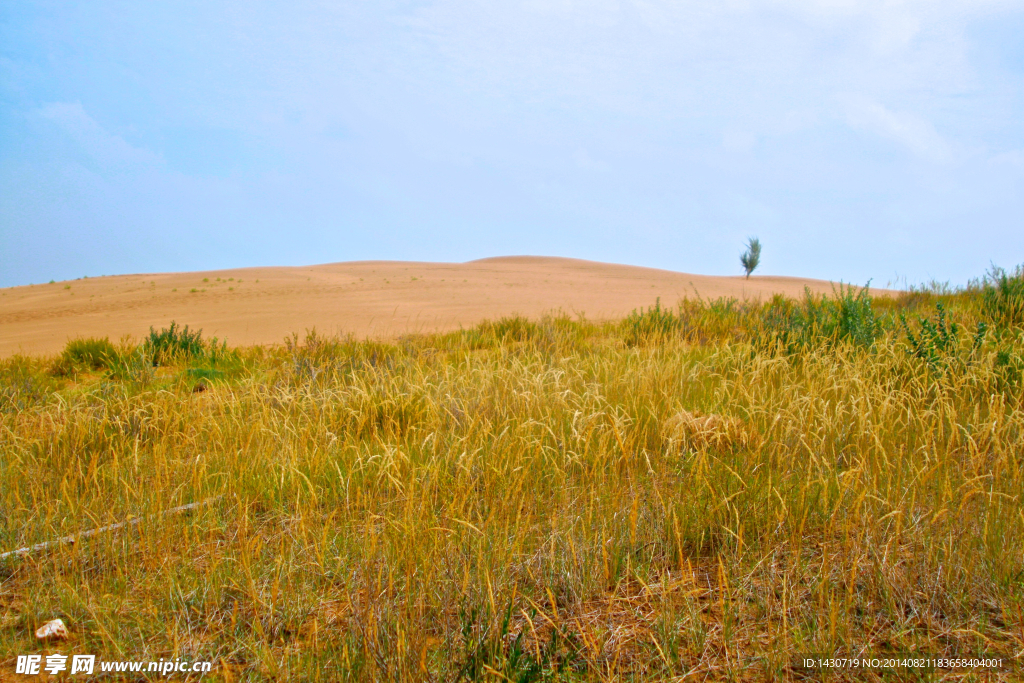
x=366 y=298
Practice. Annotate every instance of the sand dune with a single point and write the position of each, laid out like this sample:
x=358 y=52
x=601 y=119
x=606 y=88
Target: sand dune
x=367 y=298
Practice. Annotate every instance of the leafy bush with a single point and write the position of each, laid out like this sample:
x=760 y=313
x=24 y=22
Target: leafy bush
x=938 y=342
x=845 y=316
x=173 y=342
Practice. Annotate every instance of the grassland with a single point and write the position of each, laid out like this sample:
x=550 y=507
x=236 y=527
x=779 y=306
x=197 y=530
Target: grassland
x=702 y=492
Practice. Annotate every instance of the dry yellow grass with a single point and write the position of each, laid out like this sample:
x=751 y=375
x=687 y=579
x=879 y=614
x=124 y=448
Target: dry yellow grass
x=556 y=500
x=696 y=431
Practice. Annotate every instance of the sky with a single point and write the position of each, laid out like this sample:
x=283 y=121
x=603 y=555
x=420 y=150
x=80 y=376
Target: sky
x=859 y=140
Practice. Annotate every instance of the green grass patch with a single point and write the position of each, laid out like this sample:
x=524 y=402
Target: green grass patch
x=174 y=342
x=85 y=354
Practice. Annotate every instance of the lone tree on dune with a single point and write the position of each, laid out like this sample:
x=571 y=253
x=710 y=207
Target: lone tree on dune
x=752 y=256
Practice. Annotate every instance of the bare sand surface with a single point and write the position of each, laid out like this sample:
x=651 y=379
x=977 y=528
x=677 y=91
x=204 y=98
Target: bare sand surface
x=380 y=299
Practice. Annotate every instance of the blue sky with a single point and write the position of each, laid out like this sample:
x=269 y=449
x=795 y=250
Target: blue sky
x=858 y=139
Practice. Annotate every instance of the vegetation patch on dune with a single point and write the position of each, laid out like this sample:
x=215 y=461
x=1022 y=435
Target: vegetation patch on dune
x=701 y=492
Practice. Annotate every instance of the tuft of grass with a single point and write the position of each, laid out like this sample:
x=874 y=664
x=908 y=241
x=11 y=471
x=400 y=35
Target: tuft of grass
x=133 y=367
x=651 y=325
x=85 y=354
x=491 y=650
x=1003 y=296
x=204 y=375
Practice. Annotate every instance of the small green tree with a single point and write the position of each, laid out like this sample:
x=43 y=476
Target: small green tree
x=752 y=256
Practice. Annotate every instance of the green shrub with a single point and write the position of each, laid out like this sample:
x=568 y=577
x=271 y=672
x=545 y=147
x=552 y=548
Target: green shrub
x=845 y=316
x=173 y=342
x=938 y=342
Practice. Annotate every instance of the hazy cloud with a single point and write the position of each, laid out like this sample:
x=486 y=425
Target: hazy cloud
x=905 y=128
x=105 y=148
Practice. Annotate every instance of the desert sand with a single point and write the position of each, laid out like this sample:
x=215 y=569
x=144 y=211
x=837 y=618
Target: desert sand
x=380 y=299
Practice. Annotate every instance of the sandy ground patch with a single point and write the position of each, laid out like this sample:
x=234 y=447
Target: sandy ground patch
x=380 y=299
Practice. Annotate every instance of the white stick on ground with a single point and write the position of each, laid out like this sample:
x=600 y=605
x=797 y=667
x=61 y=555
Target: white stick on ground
x=134 y=521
